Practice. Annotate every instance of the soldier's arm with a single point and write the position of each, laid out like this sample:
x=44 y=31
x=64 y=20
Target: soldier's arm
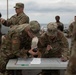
x=43 y=46
x=6 y=22
x=70 y=30
x=65 y=46
x=24 y=19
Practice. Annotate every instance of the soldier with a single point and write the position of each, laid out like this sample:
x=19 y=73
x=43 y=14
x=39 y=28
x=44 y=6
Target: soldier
x=53 y=44
x=17 y=44
x=34 y=52
x=17 y=19
x=71 y=68
x=72 y=29
x=0 y=31
x=60 y=25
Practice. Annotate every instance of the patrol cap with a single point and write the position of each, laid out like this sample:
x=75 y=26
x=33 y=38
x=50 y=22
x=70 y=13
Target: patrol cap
x=52 y=29
x=35 y=27
x=19 y=5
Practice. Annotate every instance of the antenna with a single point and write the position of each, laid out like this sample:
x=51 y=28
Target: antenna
x=7 y=9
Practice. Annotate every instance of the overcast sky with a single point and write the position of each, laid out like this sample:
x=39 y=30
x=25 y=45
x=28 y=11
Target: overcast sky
x=44 y=11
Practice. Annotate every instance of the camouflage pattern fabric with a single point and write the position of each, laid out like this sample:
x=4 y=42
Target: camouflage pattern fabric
x=17 y=20
x=16 y=44
x=71 y=34
x=72 y=27
x=71 y=68
x=59 y=44
x=0 y=34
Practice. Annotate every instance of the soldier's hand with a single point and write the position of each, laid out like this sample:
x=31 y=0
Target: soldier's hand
x=2 y=20
x=64 y=59
x=32 y=52
x=48 y=47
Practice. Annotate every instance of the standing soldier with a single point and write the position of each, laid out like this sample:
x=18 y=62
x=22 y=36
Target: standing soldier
x=19 y=18
x=53 y=44
x=0 y=31
x=71 y=68
x=35 y=28
x=72 y=29
x=59 y=24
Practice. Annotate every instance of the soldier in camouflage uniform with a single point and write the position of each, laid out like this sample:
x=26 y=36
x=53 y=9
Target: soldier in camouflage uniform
x=17 y=19
x=59 y=24
x=53 y=44
x=71 y=68
x=0 y=31
x=72 y=29
x=36 y=30
x=17 y=43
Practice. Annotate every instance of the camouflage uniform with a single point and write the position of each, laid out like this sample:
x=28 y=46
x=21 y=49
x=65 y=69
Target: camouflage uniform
x=58 y=42
x=71 y=68
x=11 y=44
x=0 y=34
x=72 y=29
x=35 y=29
x=17 y=19
x=16 y=44
x=0 y=31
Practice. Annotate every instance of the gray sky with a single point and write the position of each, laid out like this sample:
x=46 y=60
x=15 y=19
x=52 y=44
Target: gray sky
x=44 y=11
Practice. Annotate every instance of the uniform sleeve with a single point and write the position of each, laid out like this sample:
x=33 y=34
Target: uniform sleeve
x=65 y=45
x=8 y=22
x=42 y=44
x=25 y=19
x=22 y=53
x=70 y=29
